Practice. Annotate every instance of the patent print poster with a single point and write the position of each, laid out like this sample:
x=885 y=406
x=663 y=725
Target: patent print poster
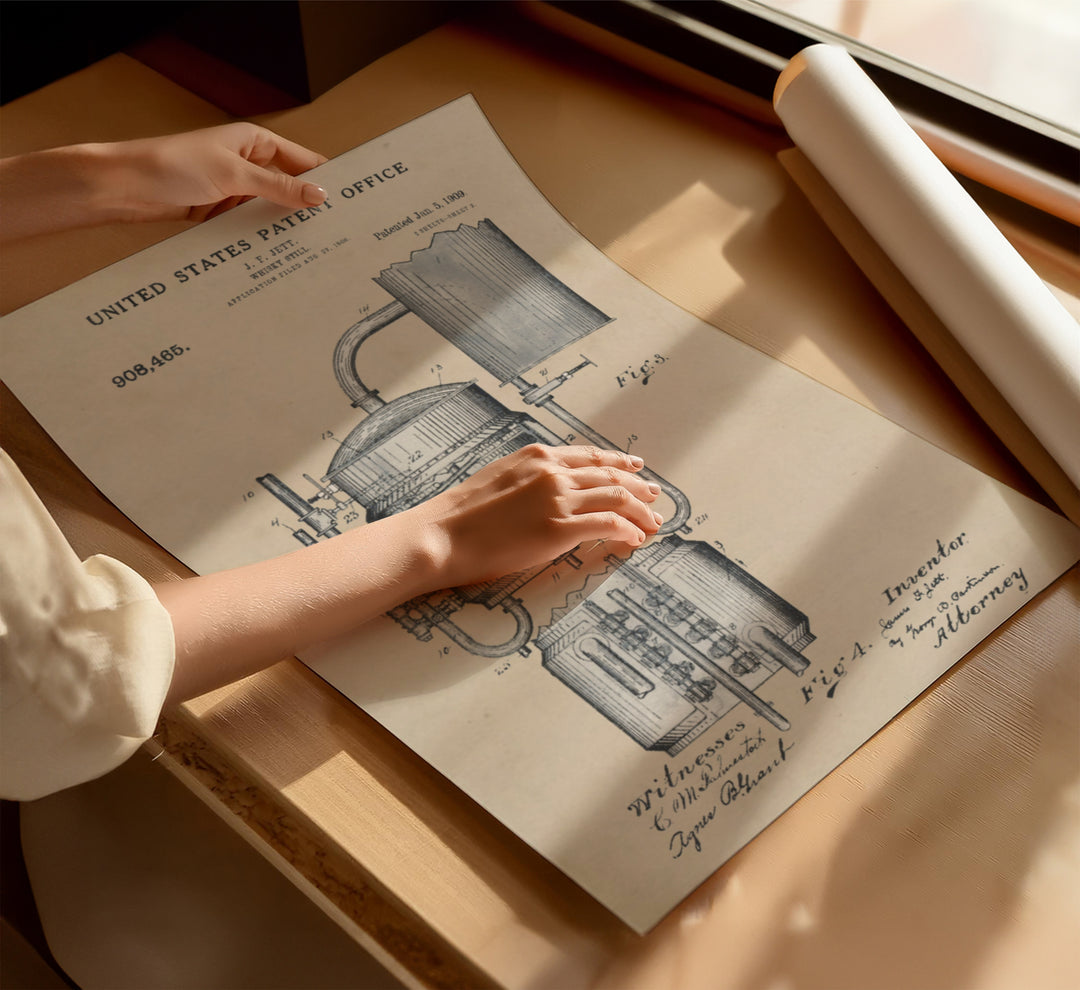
x=271 y=379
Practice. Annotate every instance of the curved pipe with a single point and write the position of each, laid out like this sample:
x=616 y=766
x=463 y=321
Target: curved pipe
x=517 y=642
x=345 y=369
x=682 y=503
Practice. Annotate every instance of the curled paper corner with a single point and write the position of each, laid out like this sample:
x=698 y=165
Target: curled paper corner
x=801 y=60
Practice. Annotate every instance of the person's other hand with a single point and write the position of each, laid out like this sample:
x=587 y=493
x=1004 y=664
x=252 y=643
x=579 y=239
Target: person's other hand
x=531 y=506
x=200 y=174
x=189 y=176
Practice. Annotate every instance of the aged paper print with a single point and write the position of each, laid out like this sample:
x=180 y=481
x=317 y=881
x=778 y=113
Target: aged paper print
x=269 y=380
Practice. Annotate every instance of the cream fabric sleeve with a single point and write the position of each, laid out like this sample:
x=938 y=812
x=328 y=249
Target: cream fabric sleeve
x=86 y=653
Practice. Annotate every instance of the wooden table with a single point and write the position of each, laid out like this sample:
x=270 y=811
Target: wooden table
x=944 y=853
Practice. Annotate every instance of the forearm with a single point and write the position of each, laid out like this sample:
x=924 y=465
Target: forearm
x=234 y=623
x=522 y=510
x=62 y=188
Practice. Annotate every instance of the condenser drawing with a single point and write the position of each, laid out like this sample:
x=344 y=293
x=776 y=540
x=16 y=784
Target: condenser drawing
x=673 y=640
x=677 y=636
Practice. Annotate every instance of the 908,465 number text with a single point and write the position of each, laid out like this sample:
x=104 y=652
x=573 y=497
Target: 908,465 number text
x=160 y=360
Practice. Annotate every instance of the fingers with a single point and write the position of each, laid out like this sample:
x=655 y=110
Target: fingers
x=604 y=497
x=270 y=149
x=582 y=455
x=594 y=467
x=618 y=500
x=278 y=187
x=280 y=161
x=607 y=477
x=215 y=209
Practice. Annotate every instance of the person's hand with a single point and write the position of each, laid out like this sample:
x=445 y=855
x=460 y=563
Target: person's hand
x=189 y=176
x=200 y=174
x=531 y=506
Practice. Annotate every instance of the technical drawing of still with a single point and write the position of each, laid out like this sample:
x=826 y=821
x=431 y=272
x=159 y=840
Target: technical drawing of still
x=677 y=635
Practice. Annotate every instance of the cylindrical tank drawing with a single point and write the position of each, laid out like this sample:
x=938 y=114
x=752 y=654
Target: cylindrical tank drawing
x=491 y=299
x=686 y=633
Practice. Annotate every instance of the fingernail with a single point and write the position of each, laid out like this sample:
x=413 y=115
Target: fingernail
x=312 y=194
x=659 y=518
x=654 y=488
x=636 y=461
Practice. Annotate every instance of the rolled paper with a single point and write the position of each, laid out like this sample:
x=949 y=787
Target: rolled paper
x=1024 y=341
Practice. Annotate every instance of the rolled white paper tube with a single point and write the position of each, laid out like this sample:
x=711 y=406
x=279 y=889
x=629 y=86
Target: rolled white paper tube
x=992 y=302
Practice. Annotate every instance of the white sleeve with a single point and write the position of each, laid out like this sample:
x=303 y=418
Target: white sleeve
x=86 y=653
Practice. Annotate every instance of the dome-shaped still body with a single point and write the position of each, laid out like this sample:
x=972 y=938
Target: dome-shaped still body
x=426 y=441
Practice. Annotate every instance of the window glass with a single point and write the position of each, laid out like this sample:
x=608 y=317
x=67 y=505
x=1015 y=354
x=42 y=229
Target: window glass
x=1022 y=53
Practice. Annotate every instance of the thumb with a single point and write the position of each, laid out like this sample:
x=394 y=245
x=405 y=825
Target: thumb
x=278 y=187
